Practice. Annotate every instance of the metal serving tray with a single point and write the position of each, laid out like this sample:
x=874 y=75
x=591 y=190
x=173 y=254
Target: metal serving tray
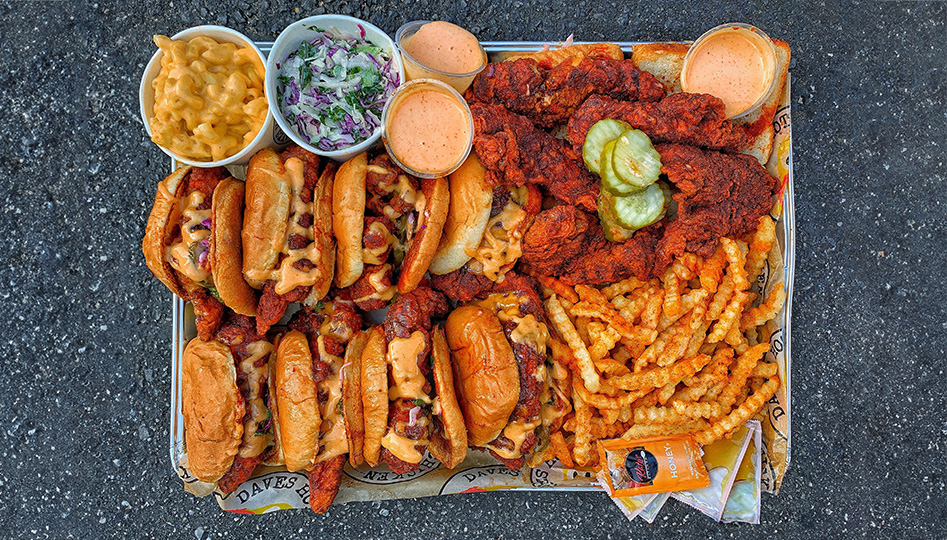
x=183 y=330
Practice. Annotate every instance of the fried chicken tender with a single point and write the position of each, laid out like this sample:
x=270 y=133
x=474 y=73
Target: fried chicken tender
x=695 y=119
x=570 y=244
x=515 y=152
x=548 y=97
x=721 y=195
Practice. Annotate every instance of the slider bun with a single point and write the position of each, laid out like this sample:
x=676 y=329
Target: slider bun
x=212 y=408
x=162 y=224
x=374 y=379
x=448 y=445
x=424 y=244
x=471 y=199
x=268 y=193
x=297 y=403
x=486 y=375
x=348 y=218
x=322 y=233
x=352 y=397
x=226 y=249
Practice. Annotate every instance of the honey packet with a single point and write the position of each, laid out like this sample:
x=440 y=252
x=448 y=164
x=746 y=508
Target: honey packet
x=722 y=458
x=652 y=465
x=743 y=505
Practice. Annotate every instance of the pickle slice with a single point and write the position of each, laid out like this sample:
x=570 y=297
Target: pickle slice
x=635 y=160
x=640 y=209
x=602 y=132
x=610 y=179
x=614 y=232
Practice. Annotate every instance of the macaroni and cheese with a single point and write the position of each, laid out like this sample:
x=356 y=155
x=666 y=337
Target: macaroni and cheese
x=209 y=98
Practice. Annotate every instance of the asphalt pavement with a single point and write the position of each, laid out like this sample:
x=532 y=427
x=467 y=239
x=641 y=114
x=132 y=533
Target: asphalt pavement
x=86 y=350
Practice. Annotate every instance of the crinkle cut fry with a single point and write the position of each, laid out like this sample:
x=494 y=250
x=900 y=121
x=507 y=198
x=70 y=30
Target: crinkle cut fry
x=568 y=332
x=753 y=404
x=766 y=311
x=658 y=377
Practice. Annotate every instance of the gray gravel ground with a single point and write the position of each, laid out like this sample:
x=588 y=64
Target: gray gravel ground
x=86 y=350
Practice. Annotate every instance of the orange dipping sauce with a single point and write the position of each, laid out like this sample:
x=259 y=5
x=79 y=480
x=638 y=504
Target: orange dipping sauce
x=428 y=128
x=734 y=63
x=445 y=47
x=440 y=50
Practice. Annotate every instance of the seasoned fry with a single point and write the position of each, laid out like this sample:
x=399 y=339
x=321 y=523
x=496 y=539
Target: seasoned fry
x=660 y=415
x=721 y=299
x=611 y=367
x=693 y=410
x=739 y=416
x=688 y=302
x=624 y=286
x=729 y=317
x=736 y=263
x=764 y=369
x=603 y=340
x=760 y=246
x=602 y=401
x=652 y=310
x=561 y=450
x=742 y=369
x=583 y=425
x=558 y=287
x=672 y=293
x=640 y=431
x=666 y=392
x=711 y=272
x=564 y=326
x=660 y=376
x=767 y=310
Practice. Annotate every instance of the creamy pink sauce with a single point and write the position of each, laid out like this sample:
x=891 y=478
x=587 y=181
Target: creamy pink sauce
x=731 y=65
x=428 y=131
x=445 y=47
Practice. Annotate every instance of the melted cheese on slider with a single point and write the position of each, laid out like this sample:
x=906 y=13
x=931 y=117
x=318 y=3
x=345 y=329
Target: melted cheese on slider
x=332 y=438
x=373 y=256
x=382 y=291
x=502 y=242
x=402 y=447
x=255 y=442
x=530 y=331
x=287 y=276
x=516 y=432
x=183 y=254
x=403 y=356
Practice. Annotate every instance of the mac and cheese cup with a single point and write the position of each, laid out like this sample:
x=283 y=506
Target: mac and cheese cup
x=268 y=135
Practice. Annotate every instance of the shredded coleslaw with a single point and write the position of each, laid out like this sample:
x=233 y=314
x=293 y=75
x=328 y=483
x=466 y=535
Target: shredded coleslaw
x=333 y=88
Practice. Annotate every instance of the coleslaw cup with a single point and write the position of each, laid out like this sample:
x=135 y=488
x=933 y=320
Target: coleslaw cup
x=267 y=137
x=304 y=30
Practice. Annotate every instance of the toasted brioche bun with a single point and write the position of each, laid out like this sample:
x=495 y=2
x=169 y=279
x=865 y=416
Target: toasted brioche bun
x=663 y=60
x=374 y=379
x=471 y=198
x=348 y=218
x=352 y=397
x=666 y=60
x=212 y=407
x=430 y=226
x=553 y=57
x=449 y=443
x=226 y=248
x=325 y=241
x=275 y=456
x=159 y=232
x=268 y=194
x=486 y=374
x=297 y=403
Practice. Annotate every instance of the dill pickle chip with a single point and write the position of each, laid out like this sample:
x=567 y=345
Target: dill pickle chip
x=602 y=132
x=614 y=231
x=635 y=160
x=610 y=180
x=641 y=209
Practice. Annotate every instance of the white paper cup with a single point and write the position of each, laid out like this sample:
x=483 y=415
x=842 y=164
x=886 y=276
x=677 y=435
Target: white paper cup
x=268 y=136
x=300 y=31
